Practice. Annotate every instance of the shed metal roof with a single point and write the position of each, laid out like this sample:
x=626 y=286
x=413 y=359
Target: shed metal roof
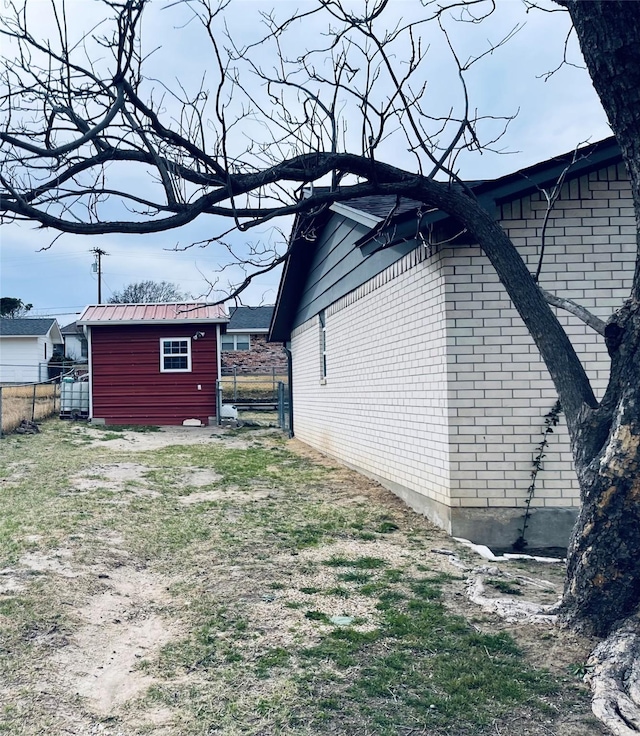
x=173 y=312
x=26 y=326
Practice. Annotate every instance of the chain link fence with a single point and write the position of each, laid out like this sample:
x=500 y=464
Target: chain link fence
x=263 y=391
x=251 y=387
x=28 y=402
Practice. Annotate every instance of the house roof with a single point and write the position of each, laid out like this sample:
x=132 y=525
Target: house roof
x=385 y=211
x=140 y=314
x=250 y=319
x=73 y=328
x=26 y=326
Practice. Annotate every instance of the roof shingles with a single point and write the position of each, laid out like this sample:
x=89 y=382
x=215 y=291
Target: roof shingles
x=249 y=319
x=25 y=326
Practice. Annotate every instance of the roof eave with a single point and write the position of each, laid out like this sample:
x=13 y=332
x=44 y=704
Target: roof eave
x=192 y=321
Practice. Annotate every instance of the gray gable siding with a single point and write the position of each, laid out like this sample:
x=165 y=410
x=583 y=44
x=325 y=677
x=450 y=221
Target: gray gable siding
x=339 y=266
x=301 y=296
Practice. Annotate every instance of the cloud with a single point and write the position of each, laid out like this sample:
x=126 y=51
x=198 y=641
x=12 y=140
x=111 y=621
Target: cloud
x=553 y=117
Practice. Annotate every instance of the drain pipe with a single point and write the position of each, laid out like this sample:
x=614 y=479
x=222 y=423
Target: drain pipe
x=287 y=350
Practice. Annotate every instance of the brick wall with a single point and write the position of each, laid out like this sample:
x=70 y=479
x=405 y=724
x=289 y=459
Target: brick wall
x=263 y=356
x=434 y=385
x=383 y=408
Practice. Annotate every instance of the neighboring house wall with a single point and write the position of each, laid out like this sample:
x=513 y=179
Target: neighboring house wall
x=23 y=359
x=75 y=347
x=262 y=356
x=128 y=386
x=434 y=386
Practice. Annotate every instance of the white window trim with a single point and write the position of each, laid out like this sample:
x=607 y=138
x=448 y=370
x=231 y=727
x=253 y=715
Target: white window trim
x=163 y=356
x=322 y=321
x=235 y=347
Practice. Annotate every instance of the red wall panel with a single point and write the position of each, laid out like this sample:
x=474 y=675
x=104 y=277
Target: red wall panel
x=128 y=387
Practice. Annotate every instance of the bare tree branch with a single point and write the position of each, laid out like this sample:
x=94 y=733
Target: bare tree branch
x=576 y=309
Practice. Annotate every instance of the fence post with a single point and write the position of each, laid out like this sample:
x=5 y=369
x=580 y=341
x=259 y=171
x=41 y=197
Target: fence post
x=33 y=403
x=0 y=411
x=273 y=381
x=235 y=383
x=280 y=405
x=218 y=402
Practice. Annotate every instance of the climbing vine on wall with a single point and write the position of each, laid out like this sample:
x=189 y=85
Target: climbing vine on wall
x=550 y=421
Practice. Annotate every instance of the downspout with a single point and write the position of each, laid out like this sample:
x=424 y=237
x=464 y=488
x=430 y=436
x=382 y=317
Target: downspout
x=219 y=372
x=287 y=350
x=87 y=332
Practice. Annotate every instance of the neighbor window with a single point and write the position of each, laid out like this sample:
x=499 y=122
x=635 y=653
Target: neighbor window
x=236 y=342
x=175 y=355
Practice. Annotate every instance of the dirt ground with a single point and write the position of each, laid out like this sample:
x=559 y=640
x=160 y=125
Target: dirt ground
x=90 y=669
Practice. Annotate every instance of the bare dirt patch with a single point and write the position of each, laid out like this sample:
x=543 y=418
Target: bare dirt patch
x=194 y=609
x=114 y=477
x=134 y=441
x=118 y=627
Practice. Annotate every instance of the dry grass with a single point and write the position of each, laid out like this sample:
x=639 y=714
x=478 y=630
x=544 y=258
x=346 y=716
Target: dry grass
x=31 y=402
x=201 y=581
x=251 y=386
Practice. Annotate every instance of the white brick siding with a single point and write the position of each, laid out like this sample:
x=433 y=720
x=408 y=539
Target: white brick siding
x=383 y=407
x=433 y=383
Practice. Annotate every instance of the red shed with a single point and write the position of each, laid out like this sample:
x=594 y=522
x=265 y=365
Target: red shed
x=153 y=363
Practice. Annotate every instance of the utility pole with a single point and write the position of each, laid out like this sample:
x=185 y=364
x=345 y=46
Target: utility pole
x=97 y=267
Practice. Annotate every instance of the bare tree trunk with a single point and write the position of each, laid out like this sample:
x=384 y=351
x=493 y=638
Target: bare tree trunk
x=603 y=581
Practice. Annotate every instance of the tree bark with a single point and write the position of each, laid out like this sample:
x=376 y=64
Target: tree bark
x=603 y=580
x=603 y=576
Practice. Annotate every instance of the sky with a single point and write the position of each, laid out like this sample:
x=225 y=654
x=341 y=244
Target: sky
x=552 y=116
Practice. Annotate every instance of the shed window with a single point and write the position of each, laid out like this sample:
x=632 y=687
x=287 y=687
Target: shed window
x=236 y=342
x=175 y=355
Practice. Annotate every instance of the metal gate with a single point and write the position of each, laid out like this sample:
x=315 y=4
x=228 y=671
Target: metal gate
x=284 y=407
x=227 y=408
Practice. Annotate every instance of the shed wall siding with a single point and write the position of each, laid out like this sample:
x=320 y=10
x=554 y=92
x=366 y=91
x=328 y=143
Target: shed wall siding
x=128 y=387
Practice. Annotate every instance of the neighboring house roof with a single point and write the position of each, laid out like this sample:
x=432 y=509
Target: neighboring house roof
x=72 y=328
x=250 y=319
x=398 y=216
x=141 y=314
x=30 y=327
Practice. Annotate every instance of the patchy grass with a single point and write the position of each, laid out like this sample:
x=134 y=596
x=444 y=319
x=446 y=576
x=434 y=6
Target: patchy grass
x=254 y=590
x=119 y=428
x=508 y=587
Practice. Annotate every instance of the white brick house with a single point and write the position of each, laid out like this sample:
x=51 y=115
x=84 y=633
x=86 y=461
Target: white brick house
x=410 y=364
